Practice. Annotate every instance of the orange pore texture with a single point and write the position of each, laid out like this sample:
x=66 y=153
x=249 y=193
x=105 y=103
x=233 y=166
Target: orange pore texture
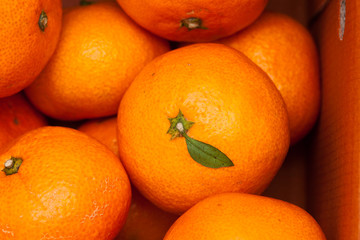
x=69 y=186
x=236 y=108
x=104 y=130
x=145 y=221
x=285 y=50
x=219 y=18
x=244 y=216
x=24 y=48
x=17 y=117
x=99 y=53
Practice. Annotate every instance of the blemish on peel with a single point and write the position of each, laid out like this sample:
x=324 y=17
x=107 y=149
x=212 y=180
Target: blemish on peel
x=342 y=19
x=7 y=232
x=16 y=121
x=192 y=23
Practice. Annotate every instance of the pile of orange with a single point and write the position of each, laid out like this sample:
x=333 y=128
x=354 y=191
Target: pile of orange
x=151 y=119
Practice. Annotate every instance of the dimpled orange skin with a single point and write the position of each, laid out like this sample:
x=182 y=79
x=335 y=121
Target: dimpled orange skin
x=285 y=50
x=144 y=221
x=17 y=116
x=25 y=49
x=220 y=18
x=247 y=217
x=236 y=108
x=104 y=130
x=100 y=52
x=69 y=186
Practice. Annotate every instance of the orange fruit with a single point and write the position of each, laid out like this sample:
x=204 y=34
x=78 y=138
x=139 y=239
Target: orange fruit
x=94 y=63
x=104 y=130
x=68 y=186
x=235 y=108
x=29 y=33
x=247 y=217
x=193 y=21
x=285 y=50
x=144 y=221
x=17 y=117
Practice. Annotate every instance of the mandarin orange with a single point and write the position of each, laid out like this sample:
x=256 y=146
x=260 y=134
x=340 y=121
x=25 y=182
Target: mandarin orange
x=17 y=116
x=285 y=50
x=144 y=221
x=94 y=63
x=58 y=183
x=29 y=33
x=194 y=21
x=247 y=217
x=234 y=107
x=104 y=130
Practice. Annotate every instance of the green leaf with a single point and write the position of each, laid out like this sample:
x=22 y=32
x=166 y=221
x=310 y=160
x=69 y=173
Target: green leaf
x=206 y=154
x=202 y=153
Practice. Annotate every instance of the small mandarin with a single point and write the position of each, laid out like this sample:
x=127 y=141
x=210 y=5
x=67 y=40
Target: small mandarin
x=17 y=116
x=104 y=130
x=285 y=50
x=145 y=221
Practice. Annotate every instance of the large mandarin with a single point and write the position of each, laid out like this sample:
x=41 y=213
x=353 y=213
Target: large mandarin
x=100 y=52
x=195 y=20
x=234 y=107
x=58 y=183
x=29 y=33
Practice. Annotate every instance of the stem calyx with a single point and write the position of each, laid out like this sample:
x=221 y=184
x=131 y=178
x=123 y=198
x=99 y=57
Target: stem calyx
x=43 y=21
x=176 y=122
x=192 y=23
x=12 y=165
